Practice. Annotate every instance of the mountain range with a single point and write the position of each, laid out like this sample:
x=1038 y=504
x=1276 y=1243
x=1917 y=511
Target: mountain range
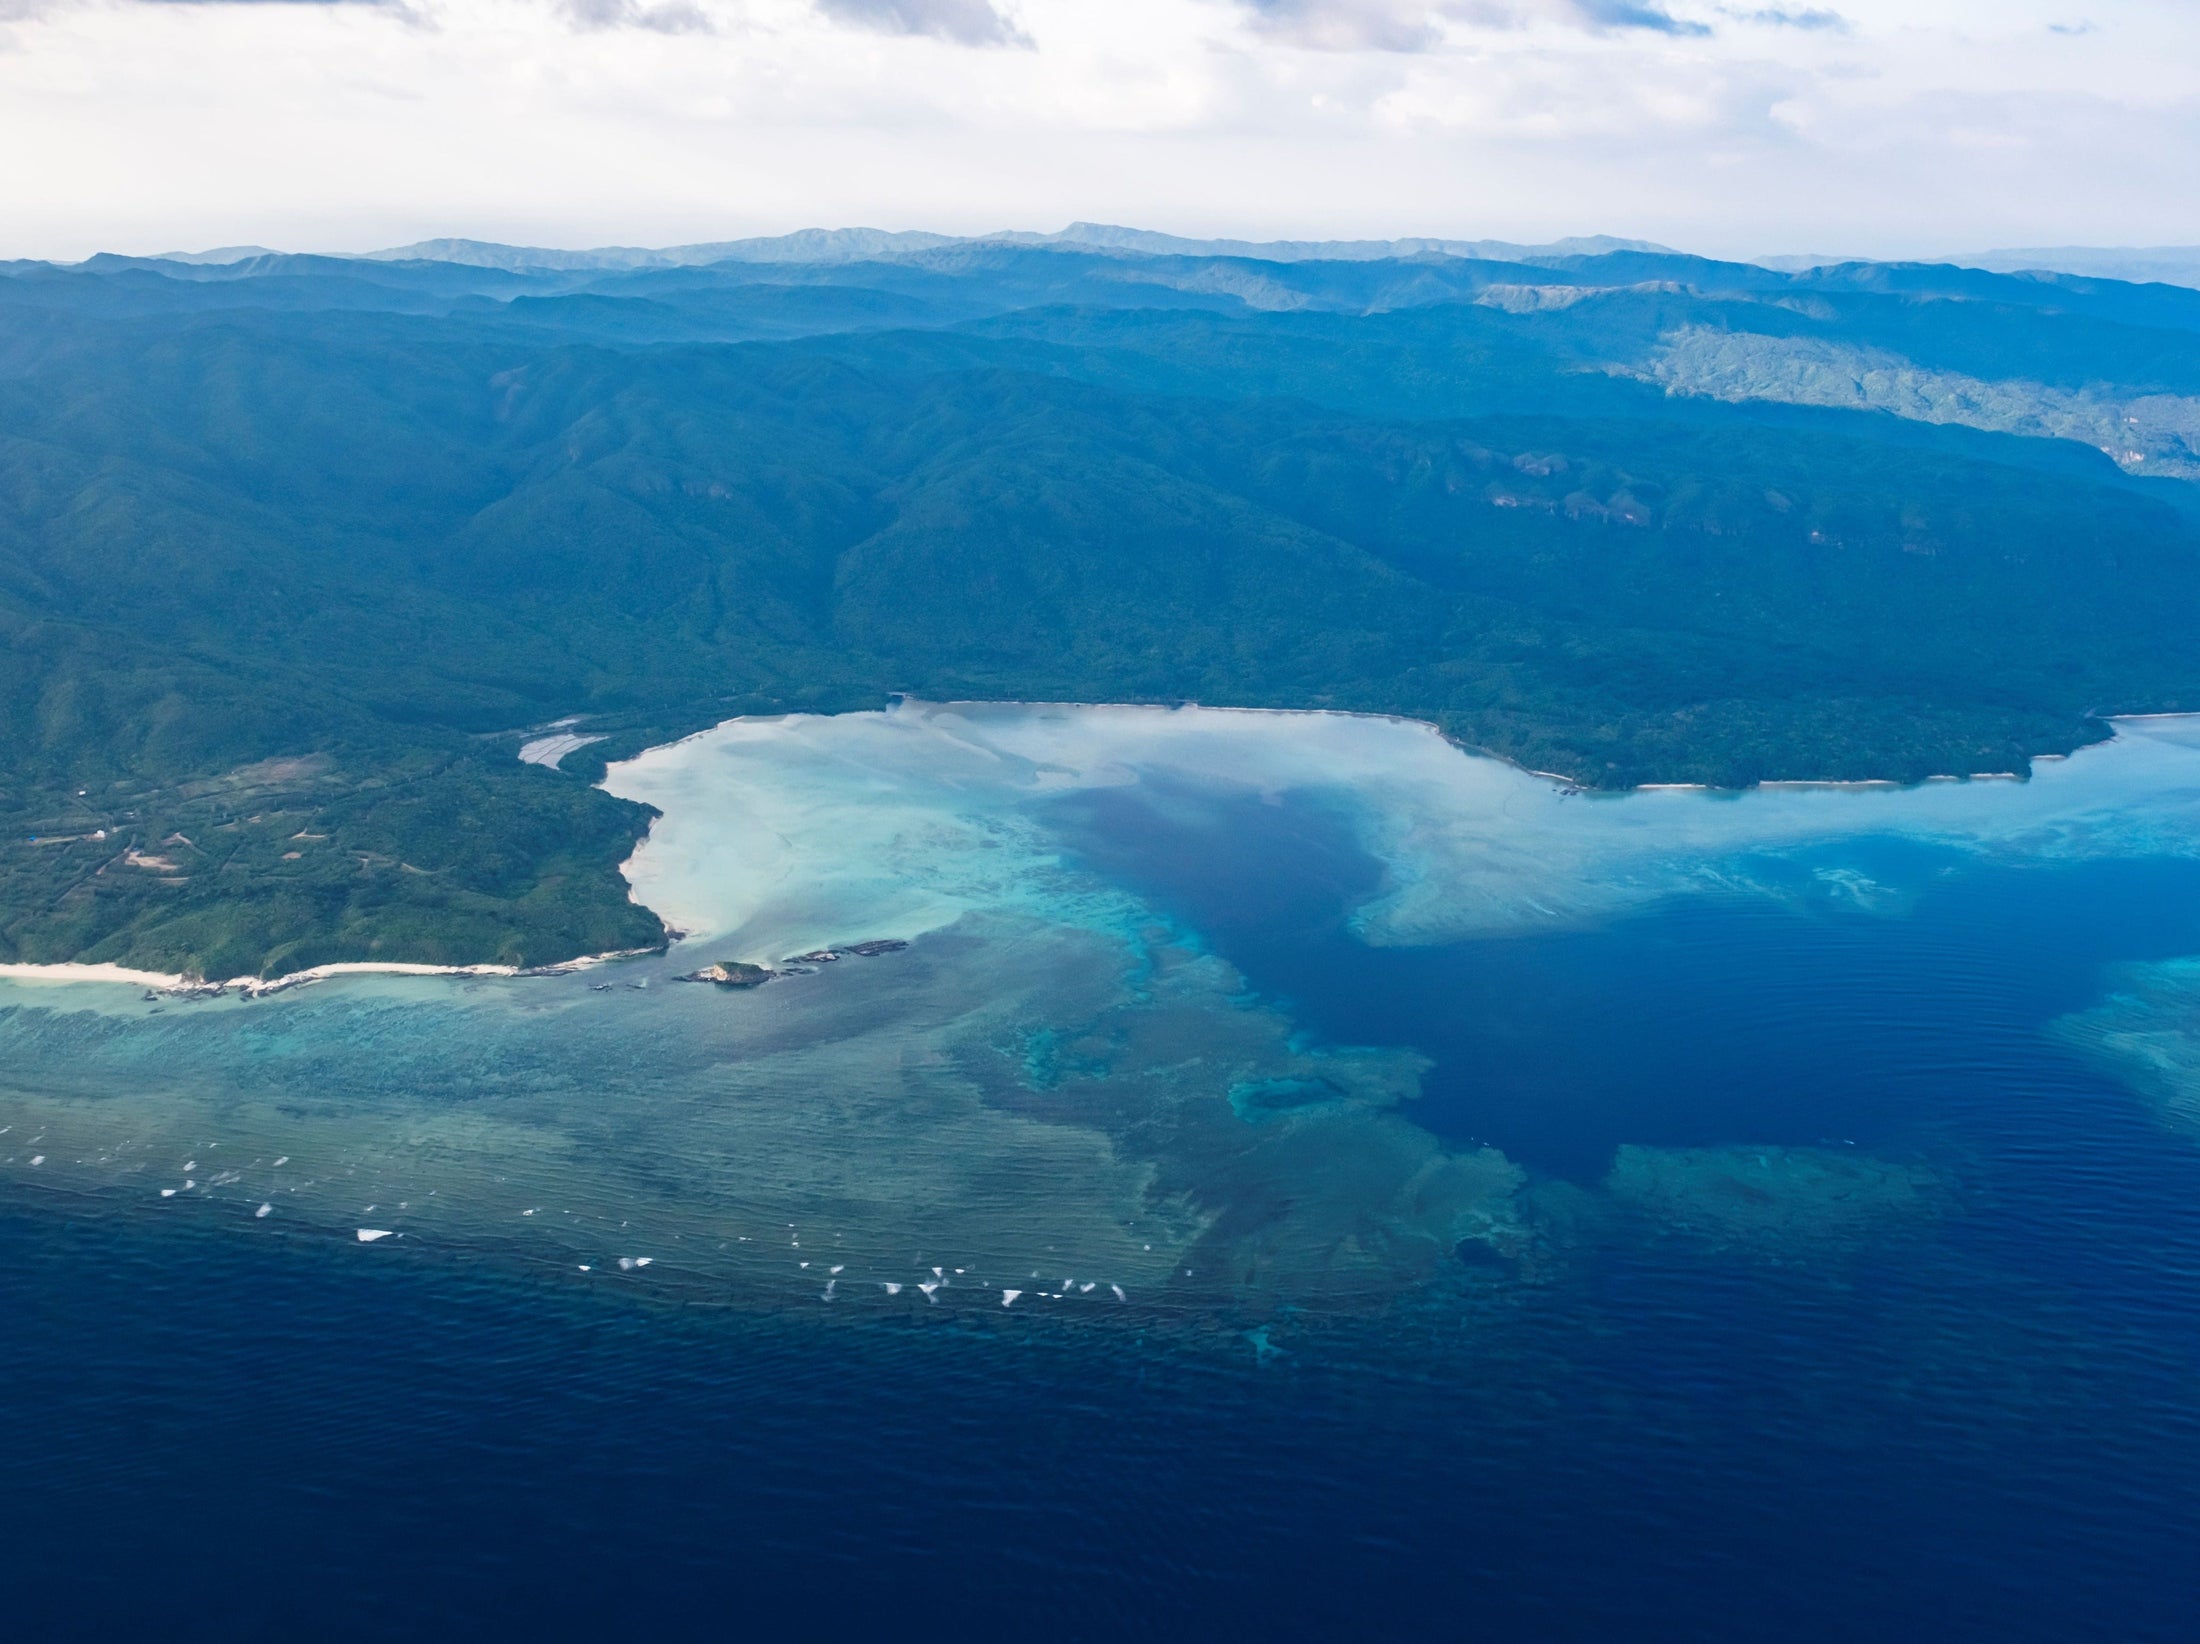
x=296 y=552
x=2170 y=265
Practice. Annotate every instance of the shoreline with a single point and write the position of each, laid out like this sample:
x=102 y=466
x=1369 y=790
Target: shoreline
x=180 y=986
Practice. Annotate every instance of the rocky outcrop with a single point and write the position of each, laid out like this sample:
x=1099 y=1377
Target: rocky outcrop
x=737 y=974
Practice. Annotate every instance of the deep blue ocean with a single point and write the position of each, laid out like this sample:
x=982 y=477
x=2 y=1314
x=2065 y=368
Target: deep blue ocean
x=1981 y=1421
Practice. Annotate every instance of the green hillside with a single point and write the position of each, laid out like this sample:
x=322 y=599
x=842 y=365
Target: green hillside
x=290 y=560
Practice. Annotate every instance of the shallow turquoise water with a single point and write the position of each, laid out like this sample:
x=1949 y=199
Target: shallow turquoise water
x=1679 y=1214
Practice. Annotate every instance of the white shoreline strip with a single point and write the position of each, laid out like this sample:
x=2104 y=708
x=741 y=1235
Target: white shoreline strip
x=255 y=986
x=89 y=973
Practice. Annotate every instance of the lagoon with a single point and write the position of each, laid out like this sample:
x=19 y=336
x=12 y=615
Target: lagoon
x=1542 y=1205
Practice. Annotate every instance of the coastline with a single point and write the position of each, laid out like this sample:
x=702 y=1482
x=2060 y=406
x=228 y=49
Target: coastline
x=178 y=985
x=257 y=987
x=1573 y=784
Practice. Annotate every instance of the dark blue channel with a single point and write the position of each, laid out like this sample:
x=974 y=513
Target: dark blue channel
x=1790 y=1018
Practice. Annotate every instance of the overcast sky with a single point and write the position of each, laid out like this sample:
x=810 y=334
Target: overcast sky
x=1876 y=127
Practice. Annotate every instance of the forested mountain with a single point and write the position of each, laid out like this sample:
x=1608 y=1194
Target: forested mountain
x=294 y=549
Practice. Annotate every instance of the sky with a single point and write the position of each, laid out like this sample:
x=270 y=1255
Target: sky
x=1865 y=127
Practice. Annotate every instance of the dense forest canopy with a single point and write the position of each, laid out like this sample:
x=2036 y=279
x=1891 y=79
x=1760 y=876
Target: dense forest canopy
x=295 y=552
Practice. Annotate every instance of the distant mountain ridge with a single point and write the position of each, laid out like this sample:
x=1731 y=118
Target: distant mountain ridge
x=219 y=256
x=829 y=247
x=832 y=245
x=809 y=245
x=2159 y=264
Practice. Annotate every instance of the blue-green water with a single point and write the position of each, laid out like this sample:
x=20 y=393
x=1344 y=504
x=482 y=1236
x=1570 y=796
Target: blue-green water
x=1779 y=1215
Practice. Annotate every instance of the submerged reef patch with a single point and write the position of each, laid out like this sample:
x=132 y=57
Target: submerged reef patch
x=1325 y=1196
x=869 y=1122
x=1769 y=1195
x=2146 y=1034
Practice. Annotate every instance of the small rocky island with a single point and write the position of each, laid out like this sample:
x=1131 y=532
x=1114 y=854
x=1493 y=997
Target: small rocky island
x=734 y=975
x=740 y=974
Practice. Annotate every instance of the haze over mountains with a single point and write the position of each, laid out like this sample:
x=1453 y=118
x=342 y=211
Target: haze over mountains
x=832 y=245
x=2173 y=265
x=2167 y=264
x=294 y=550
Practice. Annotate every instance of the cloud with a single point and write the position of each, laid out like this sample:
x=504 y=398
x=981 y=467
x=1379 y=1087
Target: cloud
x=1628 y=14
x=1417 y=25
x=1923 y=129
x=1784 y=17
x=671 y=17
x=1350 y=25
x=965 y=22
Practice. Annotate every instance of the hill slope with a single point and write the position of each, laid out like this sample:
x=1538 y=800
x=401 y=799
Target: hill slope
x=293 y=552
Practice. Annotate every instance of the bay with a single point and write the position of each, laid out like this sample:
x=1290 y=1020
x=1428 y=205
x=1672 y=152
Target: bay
x=1676 y=1215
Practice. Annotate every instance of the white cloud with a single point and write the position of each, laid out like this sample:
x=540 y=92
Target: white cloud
x=668 y=17
x=965 y=22
x=1426 y=25
x=1913 y=126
